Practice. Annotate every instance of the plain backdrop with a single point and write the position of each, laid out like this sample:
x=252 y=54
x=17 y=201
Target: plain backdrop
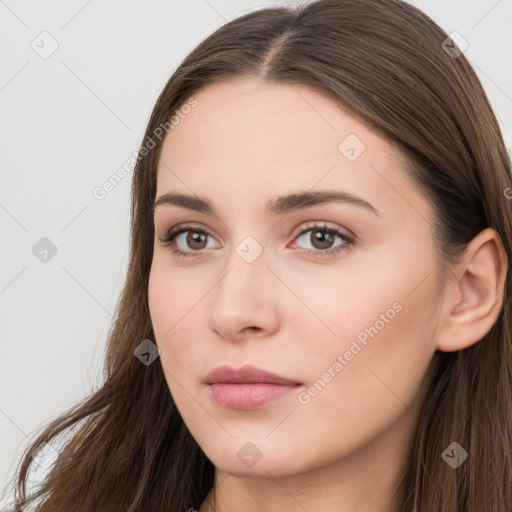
x=69 y=120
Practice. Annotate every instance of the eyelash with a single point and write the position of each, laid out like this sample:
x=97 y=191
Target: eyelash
x=168 y=240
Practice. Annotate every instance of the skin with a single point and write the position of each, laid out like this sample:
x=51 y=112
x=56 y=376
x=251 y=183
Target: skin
x=244 y=143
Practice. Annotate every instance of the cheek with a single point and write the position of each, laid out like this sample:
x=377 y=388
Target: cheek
x=173 y=339
x=177 y=317
x=170 y=294
x=377 y=381
x=382 y=349
x=379 y=314
x=389 y=294
x=165 y=307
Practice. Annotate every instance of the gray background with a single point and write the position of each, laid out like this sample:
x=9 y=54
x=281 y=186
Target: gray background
x=69 y=122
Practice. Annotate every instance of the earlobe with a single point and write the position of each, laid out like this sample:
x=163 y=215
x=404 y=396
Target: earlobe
x=475 y=298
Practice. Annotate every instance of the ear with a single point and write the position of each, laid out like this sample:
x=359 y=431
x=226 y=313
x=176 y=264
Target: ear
x=474 y=297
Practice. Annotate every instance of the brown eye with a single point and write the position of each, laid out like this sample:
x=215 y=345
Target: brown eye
x=321 y=240
x=186 y=241
x=195 y=239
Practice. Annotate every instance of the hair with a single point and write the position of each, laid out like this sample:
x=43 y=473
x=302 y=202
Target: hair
x=384 y=63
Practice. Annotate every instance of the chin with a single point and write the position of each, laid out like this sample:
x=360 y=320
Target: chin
x=260 y=457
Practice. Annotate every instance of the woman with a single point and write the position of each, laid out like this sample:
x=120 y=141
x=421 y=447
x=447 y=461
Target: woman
x=316 y=314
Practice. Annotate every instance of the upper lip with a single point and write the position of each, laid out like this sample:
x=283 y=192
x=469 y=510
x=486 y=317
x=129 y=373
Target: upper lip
x=247 y=374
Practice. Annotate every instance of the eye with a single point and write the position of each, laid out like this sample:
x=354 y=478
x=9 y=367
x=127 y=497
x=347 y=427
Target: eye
x=195 y=239
x=322 y=237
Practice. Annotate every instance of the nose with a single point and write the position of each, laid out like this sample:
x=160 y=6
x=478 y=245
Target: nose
x=245 y=300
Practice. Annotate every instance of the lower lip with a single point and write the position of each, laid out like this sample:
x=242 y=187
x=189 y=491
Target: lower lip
x=248 y=396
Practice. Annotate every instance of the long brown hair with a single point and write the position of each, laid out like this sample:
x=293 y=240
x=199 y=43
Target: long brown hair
x=386 y=63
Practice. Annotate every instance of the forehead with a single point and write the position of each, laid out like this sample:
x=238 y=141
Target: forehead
x=250 y=140
x=263 y=120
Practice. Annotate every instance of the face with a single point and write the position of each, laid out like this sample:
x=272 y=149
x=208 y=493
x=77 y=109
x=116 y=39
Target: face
x=340 y=297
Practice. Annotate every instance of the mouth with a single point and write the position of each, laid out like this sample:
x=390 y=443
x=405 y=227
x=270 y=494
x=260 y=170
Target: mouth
x=248 y=387
x=248 y=396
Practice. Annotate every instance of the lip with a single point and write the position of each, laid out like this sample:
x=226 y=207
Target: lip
x=248 y=387
x=248 y=374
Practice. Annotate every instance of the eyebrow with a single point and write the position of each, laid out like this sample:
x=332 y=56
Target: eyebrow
x=276 y=206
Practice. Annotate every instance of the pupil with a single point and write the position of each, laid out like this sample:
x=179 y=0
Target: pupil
x=195 y=238
x=323 y=237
